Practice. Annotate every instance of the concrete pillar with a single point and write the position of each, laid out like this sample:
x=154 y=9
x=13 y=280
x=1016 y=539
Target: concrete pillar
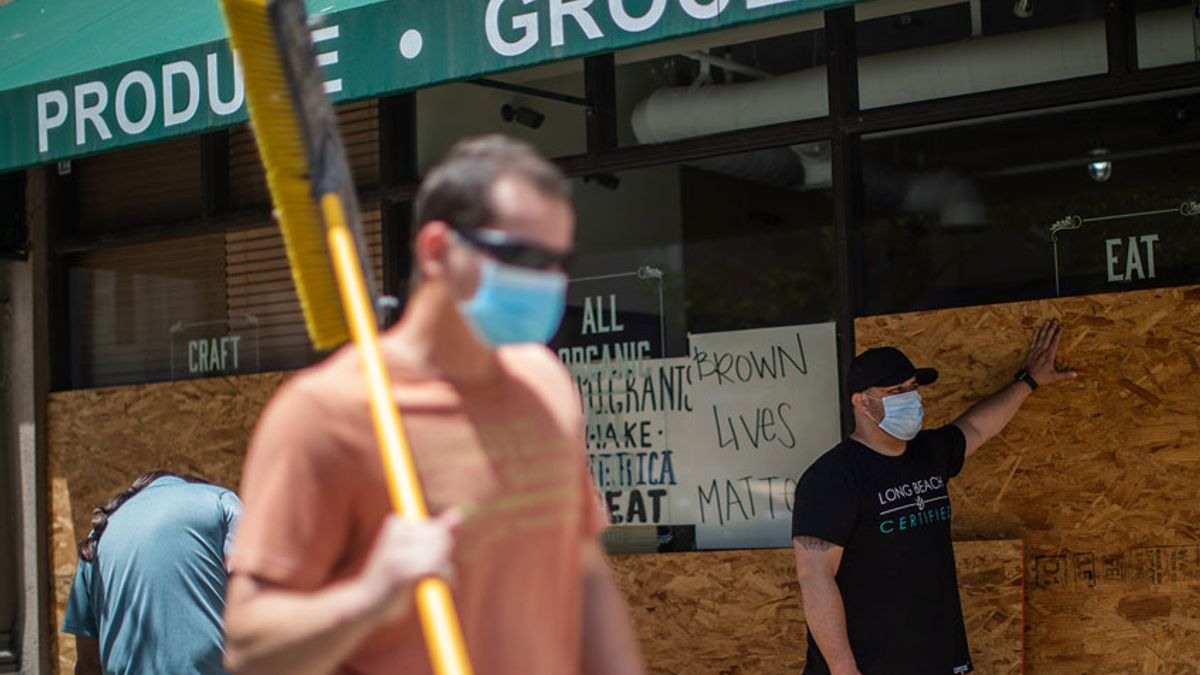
x=24 y=361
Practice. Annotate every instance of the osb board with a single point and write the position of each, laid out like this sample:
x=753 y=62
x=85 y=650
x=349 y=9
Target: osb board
x=739 y=612
x=101 y=439
x=1099 y=476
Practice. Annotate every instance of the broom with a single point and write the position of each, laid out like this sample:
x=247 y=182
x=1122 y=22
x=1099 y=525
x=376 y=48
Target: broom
x=311 y=186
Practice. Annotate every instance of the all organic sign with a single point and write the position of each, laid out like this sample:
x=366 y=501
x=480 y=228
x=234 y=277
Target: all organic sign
x=367 y=50
x=613 y=317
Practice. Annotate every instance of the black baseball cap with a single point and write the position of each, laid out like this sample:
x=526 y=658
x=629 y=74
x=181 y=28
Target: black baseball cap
x=885 y=367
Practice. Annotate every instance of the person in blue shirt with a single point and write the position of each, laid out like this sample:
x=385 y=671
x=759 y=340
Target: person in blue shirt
x=149 y=591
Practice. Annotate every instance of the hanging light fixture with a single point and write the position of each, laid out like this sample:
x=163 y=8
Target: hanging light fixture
x=1100 y=167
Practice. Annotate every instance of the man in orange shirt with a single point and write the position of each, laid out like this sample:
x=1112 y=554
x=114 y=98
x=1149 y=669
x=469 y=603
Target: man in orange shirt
x=322 y=572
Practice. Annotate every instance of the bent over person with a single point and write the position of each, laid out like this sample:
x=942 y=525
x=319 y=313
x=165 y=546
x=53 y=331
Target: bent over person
x=323 y=572
x=150 y=586
x=871 y=520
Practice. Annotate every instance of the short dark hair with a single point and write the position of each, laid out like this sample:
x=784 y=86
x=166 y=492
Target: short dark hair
x=458 y=190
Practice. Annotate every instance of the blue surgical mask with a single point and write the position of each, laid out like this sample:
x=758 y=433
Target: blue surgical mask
x=515 y=305
x=903 y=415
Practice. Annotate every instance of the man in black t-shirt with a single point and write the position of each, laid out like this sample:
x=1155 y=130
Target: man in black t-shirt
x=871 y=520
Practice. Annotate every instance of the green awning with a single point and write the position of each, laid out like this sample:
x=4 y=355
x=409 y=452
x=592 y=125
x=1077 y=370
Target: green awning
x=85 y=76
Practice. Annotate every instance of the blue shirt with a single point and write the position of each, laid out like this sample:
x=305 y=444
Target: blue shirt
x=154 y=595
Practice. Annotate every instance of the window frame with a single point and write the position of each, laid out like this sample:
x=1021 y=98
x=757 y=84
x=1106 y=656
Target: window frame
x=844 y=127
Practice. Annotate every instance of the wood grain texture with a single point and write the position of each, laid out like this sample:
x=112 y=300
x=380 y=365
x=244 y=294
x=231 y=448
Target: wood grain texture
x=100 y=440
x=739 y=612
x=1099 y=476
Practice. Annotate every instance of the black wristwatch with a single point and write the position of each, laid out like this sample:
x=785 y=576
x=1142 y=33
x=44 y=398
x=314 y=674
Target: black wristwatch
x=1025 y=377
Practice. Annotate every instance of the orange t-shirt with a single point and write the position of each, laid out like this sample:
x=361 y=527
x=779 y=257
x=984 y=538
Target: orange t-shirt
x=509 y=453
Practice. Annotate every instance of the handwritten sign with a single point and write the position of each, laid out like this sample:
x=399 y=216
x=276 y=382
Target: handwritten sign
x=716 y=439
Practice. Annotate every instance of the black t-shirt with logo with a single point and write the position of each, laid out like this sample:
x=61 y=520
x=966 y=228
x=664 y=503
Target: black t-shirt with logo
x=891 y=515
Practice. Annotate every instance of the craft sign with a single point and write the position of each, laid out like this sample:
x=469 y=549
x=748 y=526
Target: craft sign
x=214 y=355
x=216 y=347
x=716 y=439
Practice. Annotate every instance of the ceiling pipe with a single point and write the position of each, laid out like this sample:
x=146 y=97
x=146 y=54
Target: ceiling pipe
x=675 y=113
x=984 y=64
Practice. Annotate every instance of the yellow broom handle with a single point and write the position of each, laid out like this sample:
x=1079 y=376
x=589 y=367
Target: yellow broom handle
x=443 y=636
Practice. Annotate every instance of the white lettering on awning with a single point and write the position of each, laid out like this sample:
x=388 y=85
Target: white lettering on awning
x=142 y=79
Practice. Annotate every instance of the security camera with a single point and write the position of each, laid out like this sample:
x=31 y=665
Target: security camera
x=527 y=117
x=605 y=180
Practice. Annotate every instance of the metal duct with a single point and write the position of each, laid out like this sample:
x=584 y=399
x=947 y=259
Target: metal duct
x=989 y=63
x=940 y=71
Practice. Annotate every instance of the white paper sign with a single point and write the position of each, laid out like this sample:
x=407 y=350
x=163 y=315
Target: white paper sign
x=717 y=439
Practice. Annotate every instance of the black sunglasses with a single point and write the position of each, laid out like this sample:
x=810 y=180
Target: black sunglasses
x=512 y=250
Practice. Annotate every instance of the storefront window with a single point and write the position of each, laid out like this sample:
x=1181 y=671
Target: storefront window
x=558 y=128
x=221 y=304
x=741 y=78
x=139 y=187
x=700 y=332
x=1167 y=32
x=1090 y=200
x=912 y=51
x=358 y=124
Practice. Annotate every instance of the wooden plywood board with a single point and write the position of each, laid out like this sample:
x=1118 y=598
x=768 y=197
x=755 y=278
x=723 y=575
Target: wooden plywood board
x=100 y=440
x=1099 y=476
x=735 y=612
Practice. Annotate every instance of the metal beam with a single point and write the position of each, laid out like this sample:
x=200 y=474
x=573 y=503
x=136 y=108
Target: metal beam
x=397 y=166
x=842 y=77
x=230 y=221
x=1029 y=98
x=214 y=172
x=600 y=85
x=531 y=91
x=1120 y=31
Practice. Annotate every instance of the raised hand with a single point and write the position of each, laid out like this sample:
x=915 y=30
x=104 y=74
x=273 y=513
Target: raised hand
x=1043 y=352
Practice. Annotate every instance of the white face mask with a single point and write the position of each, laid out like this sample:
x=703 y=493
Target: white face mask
x=903 y=415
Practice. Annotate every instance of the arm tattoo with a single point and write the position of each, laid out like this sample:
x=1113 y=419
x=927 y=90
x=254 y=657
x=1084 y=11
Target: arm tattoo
x=813 y=544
